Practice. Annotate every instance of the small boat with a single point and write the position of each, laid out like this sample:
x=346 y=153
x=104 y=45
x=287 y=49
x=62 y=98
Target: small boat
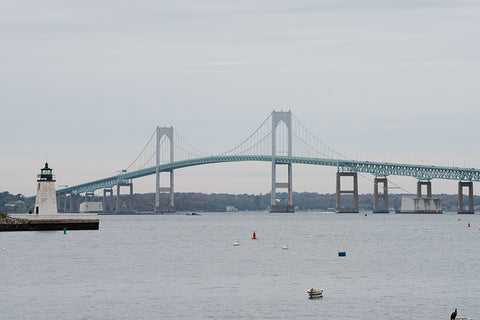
x=236 y=244
x=315 y=293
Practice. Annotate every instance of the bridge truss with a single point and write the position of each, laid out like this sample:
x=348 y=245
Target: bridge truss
x=378 y=169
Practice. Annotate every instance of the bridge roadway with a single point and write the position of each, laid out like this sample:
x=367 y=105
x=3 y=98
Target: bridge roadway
x=378 y=169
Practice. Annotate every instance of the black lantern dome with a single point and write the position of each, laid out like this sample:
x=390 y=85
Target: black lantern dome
x=46 y=174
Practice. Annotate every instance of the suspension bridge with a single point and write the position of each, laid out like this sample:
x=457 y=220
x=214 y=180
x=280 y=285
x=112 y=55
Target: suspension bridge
x=282 y=140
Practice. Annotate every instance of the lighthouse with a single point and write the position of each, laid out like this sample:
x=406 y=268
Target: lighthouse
x=46 y=200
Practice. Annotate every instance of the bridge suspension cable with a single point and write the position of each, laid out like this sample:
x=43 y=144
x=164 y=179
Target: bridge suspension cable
x=256 y=143
x=144 y=157
x=306 y=144
x=183 y=150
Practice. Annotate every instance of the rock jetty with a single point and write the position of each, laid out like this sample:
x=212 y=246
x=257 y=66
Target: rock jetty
x=8 y=223
x=34 y=223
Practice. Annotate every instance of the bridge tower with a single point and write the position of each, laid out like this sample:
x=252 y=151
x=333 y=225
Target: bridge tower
x=277 y=118
x=168 y=133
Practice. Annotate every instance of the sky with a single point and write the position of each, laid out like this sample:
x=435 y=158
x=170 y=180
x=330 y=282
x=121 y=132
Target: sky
x=83 y=84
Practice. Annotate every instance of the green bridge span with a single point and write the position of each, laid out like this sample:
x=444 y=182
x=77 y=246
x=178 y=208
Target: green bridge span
x=378 y=169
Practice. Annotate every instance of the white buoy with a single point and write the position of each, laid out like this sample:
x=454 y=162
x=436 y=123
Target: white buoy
x=236 y=244
x=285 y=248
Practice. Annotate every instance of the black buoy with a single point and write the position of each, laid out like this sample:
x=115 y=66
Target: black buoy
x=454 y=314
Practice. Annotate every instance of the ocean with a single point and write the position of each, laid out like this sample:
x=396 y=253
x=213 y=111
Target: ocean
x=397 y=266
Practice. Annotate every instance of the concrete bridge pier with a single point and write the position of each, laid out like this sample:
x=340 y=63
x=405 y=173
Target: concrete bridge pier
x=89 y=196
x=170 y=208
x=74 y=203
x=421 y=203
x=118 y=208
x=274 y=207
x=461 y=209
x=107 y=202
x=428 y=184
x=354 y=192
x=377 y=196
x=68 y=208
x=62 y=202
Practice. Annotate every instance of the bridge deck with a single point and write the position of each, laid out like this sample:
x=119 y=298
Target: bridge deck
x=379 y=169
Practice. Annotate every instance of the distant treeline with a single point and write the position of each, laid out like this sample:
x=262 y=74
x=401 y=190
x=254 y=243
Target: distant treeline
x=219 y=201
x=301 y=200
x=11 y=203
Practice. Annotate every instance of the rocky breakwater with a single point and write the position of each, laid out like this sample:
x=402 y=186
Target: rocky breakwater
x=8 y=223
x=33 y=222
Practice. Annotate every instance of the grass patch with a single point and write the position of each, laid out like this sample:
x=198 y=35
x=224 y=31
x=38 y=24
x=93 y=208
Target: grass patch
x=3 y=216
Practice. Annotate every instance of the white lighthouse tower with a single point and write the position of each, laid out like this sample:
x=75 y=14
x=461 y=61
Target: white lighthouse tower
x=46 y=201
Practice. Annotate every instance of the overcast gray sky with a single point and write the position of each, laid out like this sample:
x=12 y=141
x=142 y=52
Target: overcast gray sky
x=85 y=83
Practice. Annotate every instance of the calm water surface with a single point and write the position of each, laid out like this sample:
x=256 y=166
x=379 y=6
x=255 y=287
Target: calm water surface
x=186 y=267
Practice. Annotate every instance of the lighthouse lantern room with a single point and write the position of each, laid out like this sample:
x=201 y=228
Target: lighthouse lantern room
x=46 y=200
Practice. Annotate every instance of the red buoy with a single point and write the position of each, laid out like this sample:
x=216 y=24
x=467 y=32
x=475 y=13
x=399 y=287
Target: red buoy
x=469 y=224
x=254 y=236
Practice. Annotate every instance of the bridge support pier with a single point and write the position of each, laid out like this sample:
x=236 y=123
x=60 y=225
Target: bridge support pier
x=354 y=192
x=170 y=208
x=289 y=208
x=74 y=203
x=70 y=202
x=89 y=196
x=118 y=209
x=383 y=196
x=420 y=203
x=428 y=184
x=62 y=202
x=461 y=209
x=107 y=202
x=277 y=119
x=64 y=196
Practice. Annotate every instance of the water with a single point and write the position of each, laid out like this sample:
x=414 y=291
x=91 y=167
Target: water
x=179 y=266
